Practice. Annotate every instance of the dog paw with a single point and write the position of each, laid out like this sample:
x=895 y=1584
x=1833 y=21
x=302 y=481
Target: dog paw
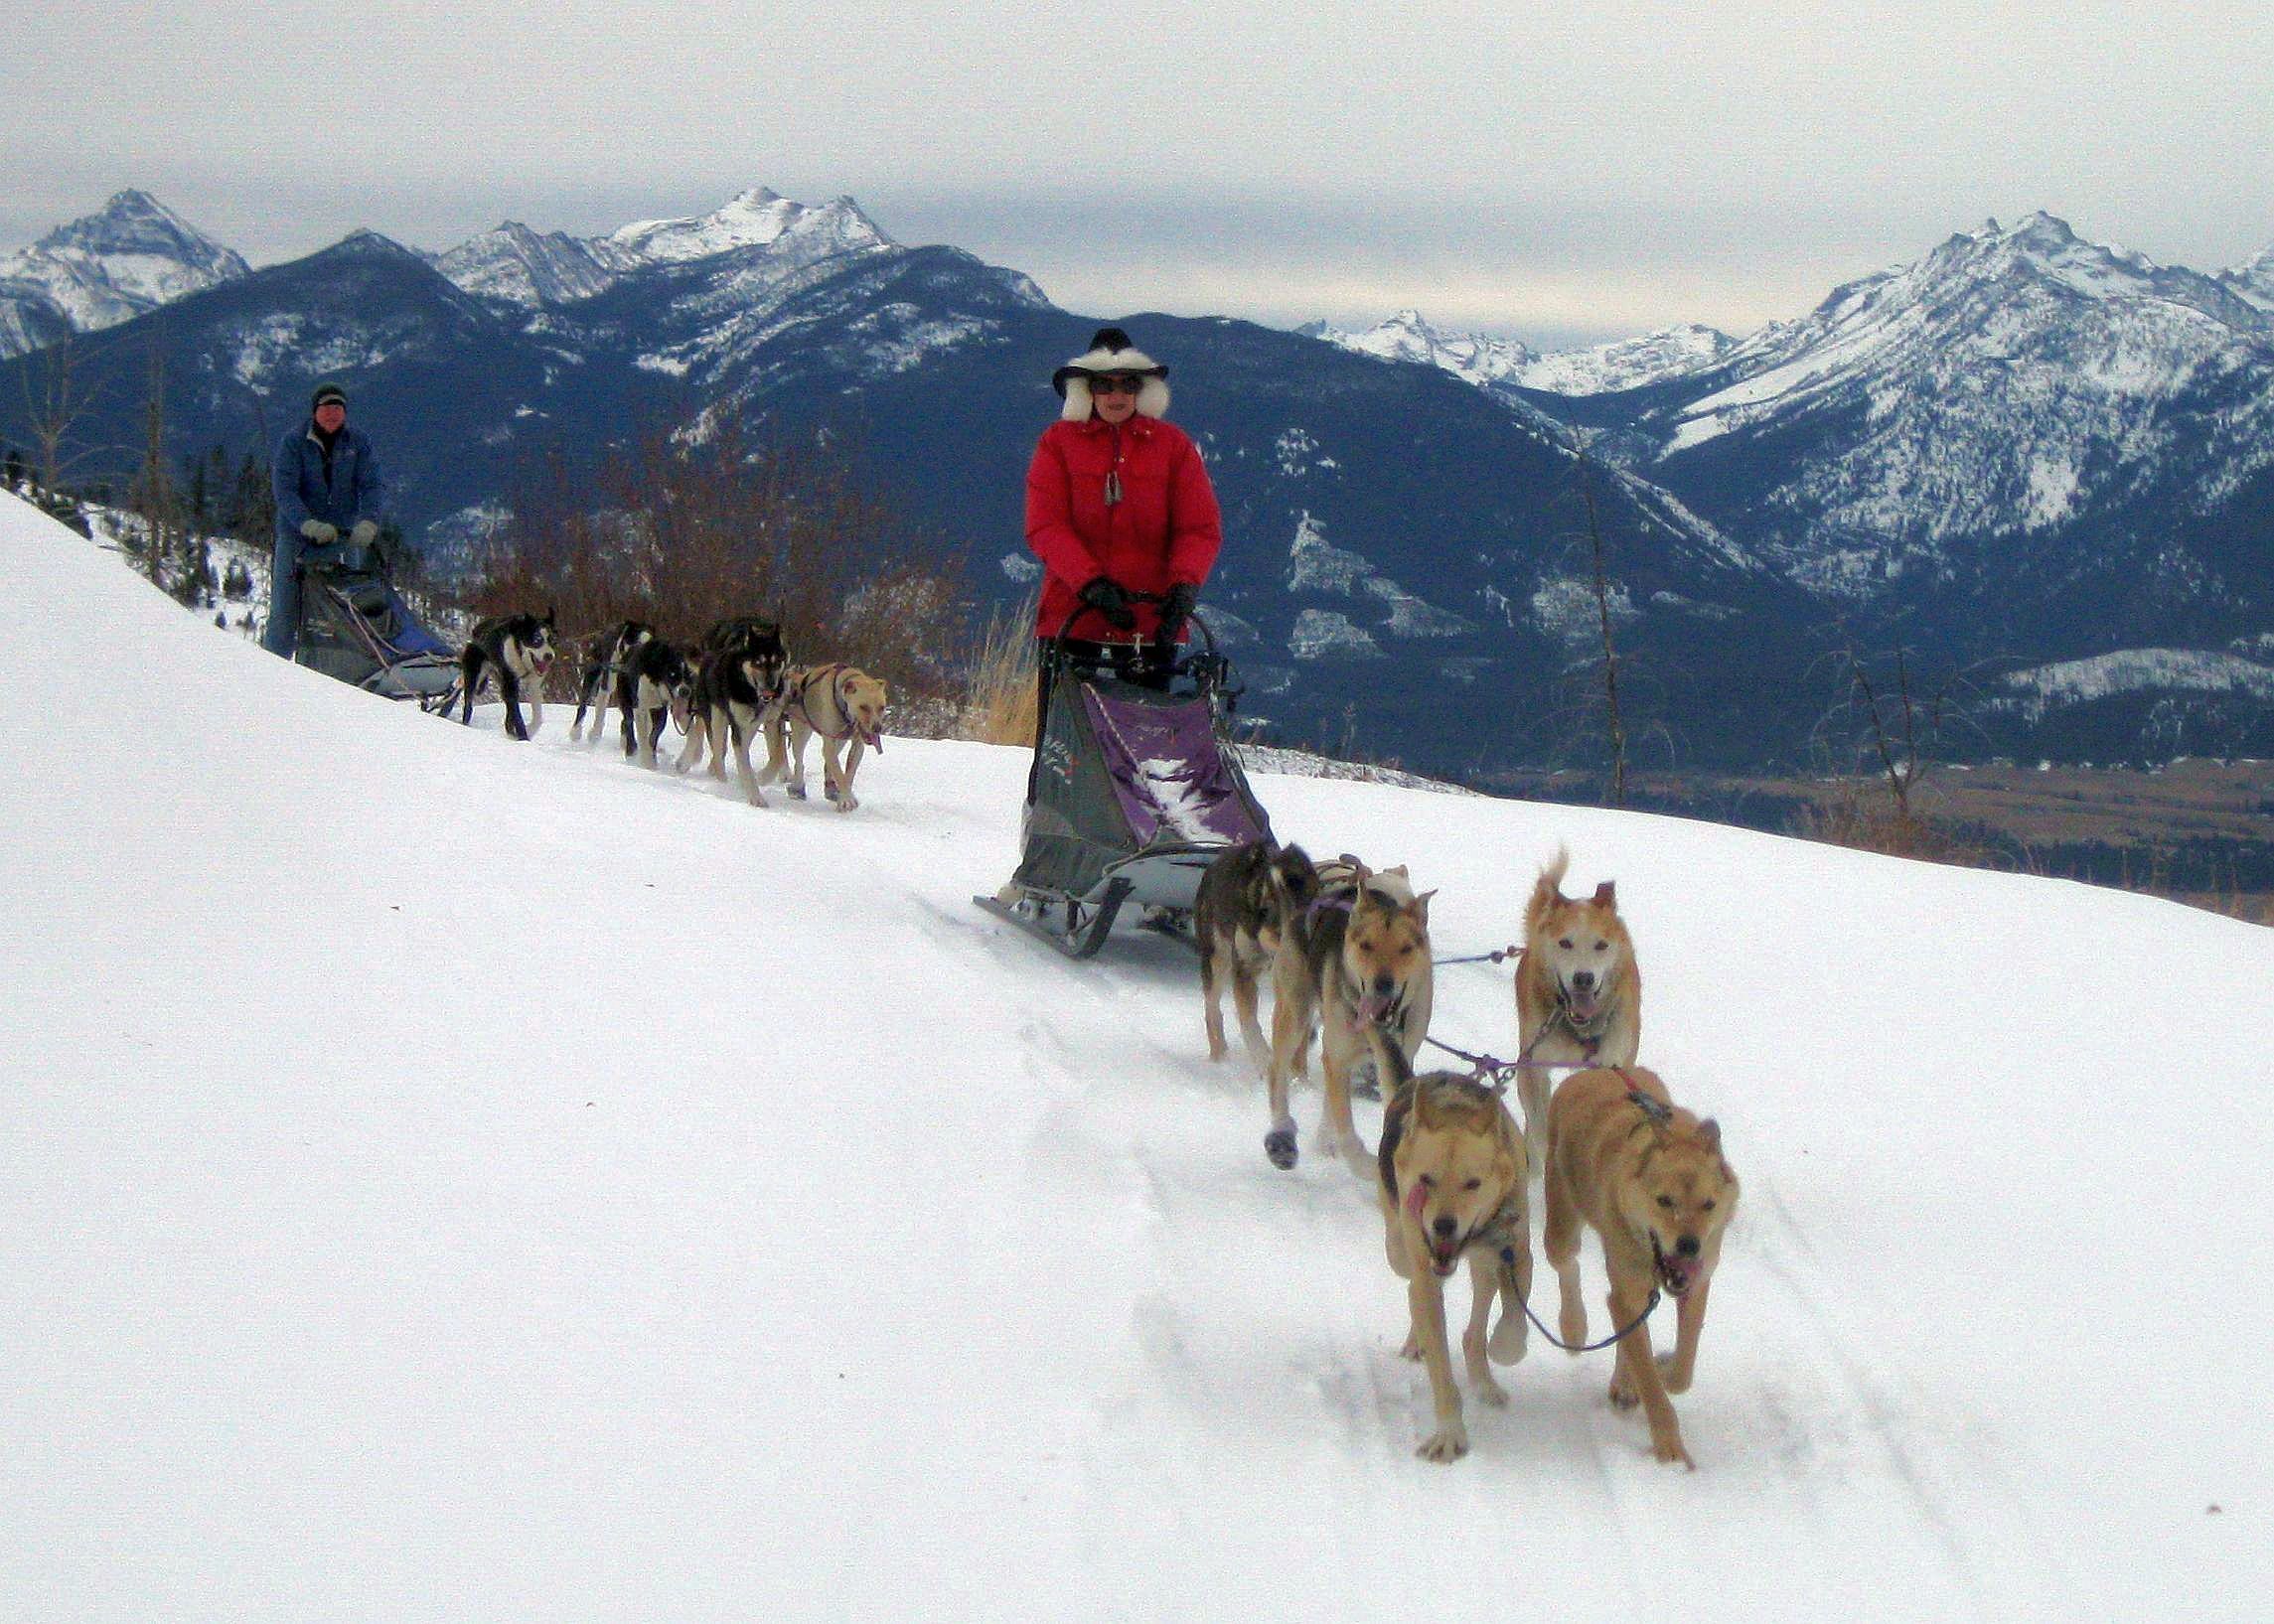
x=1623 y=1395
x=1508 y=1340
x=1447 y=1443
x=1279 y=1144
x=797 y=792
x=1677 y=1381
x=1412 y=1348
x=1489 y=1391
x=1668 y=1450
x=845 y=801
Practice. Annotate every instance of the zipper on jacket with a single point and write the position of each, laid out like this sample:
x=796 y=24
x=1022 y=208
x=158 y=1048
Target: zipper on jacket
x=1114 y=474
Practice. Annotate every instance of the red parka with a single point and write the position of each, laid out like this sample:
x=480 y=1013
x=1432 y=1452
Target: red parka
x=1165 y=530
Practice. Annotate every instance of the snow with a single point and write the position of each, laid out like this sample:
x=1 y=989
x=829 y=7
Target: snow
x=454 y=1179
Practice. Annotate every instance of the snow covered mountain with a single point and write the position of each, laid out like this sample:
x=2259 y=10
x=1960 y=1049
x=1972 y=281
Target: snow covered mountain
x=1470 y=357
x=1626 y=363
x=130 y=256
x=2023 y=448
x=348 y=1272
x=519 y=266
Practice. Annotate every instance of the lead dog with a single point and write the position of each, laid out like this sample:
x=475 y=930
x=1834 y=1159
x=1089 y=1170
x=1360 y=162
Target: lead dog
x=837 y=704
x=653 y=680
x=518 y=649
x=1579 y=992
x=1651 y=1180
x=738 y=692
x=1451 y=1174
x=1357 y=954
x=1243 y=902
x=596 y=683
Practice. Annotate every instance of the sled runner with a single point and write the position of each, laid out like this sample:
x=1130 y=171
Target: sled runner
x=354 y=625
x=1132 y=795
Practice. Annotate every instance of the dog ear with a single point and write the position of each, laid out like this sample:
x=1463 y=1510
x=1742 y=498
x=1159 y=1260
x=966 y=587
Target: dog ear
x=1420 y=908
x=1607 y=894
x=1710 y=1135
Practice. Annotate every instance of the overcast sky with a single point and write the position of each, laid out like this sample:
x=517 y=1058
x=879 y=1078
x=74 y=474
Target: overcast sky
x=1603 y=170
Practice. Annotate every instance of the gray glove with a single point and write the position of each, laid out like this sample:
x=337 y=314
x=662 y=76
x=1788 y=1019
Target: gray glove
x=364 y=532
x=316 y=530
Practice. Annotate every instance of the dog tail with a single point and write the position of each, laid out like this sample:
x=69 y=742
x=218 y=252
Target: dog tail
x=1549 y=887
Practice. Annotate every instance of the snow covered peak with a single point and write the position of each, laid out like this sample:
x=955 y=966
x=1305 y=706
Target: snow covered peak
x=517 y=265
x=752 y=219
x=1628 y=363
x=131 y=256
x=525 y=267
x=1407 y=337
x=2252 y=281
x=1671 y=352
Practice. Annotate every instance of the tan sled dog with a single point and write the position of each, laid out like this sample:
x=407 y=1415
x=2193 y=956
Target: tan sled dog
x=1357 y=955
x=837 y=704
x=1651 y=1180
x=1579 y=992
x=1452 y=1178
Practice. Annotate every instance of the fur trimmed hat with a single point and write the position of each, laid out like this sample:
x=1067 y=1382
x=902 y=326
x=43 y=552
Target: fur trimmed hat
x=1111 y=353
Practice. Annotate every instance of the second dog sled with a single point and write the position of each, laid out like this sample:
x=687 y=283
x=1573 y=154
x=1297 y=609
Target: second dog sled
x=1132 y=794
x=355 y=627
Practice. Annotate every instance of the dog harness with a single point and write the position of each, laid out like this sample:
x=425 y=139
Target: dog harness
x=836 y=674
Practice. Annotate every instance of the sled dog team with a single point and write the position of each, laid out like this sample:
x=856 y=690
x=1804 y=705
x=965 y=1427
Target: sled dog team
x=738 y=683
x=1347 y=950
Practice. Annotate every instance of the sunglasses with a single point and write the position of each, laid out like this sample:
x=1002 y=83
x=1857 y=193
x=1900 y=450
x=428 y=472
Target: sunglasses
x=1117 y=384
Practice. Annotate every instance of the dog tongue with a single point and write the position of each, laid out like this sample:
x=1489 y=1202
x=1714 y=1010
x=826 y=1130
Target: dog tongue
x=1584 y=1005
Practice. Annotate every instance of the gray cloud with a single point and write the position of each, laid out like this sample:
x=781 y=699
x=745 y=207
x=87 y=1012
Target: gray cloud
x=1584 y=172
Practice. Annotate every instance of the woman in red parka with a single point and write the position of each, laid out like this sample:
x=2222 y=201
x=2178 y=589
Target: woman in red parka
x=1119 y=504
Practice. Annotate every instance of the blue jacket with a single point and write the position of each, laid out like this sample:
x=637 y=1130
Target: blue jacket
x=339 y=493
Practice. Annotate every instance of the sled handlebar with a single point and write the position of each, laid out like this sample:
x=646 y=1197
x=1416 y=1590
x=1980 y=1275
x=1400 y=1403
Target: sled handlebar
x=1058 y=641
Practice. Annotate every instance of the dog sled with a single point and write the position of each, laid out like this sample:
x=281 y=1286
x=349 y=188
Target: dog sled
x=1133 y=792
x=354 y=625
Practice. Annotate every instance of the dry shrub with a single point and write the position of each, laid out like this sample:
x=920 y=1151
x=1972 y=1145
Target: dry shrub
x=1864 y=820
x=1000 y=699
x=681 y=531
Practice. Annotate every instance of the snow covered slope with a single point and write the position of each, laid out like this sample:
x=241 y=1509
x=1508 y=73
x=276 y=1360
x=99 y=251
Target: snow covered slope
x=453 y=1179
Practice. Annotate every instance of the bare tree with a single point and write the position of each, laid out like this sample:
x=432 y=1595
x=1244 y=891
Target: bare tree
x=152 y=492
x=56 y=395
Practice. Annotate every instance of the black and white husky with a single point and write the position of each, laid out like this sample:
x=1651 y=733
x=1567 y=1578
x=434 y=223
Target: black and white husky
x=596 y=683
x=737 y=693
x=655 y=677
x=519 y=650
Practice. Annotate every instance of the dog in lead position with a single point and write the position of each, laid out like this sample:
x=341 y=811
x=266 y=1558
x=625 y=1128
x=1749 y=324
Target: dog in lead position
x=518 y=649
x=1238 y=917
x=844 y=707
x=1579 y=992
x=1357 y=955
x=1651 y=1180
x=596 y=683
x=1452 y=1178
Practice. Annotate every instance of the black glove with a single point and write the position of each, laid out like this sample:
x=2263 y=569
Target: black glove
x=1175 y=611
x=1110 y=599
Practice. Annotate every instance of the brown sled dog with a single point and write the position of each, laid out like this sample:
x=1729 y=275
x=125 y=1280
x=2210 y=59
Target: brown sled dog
x=1452 y=1178
x=1651 y=1180
x=1358 y=954
x=840 y=705
x=1237 y=918
x=1579 y=992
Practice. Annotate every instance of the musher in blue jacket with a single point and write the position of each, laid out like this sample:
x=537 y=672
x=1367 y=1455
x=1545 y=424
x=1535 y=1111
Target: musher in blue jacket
x=327 y=482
